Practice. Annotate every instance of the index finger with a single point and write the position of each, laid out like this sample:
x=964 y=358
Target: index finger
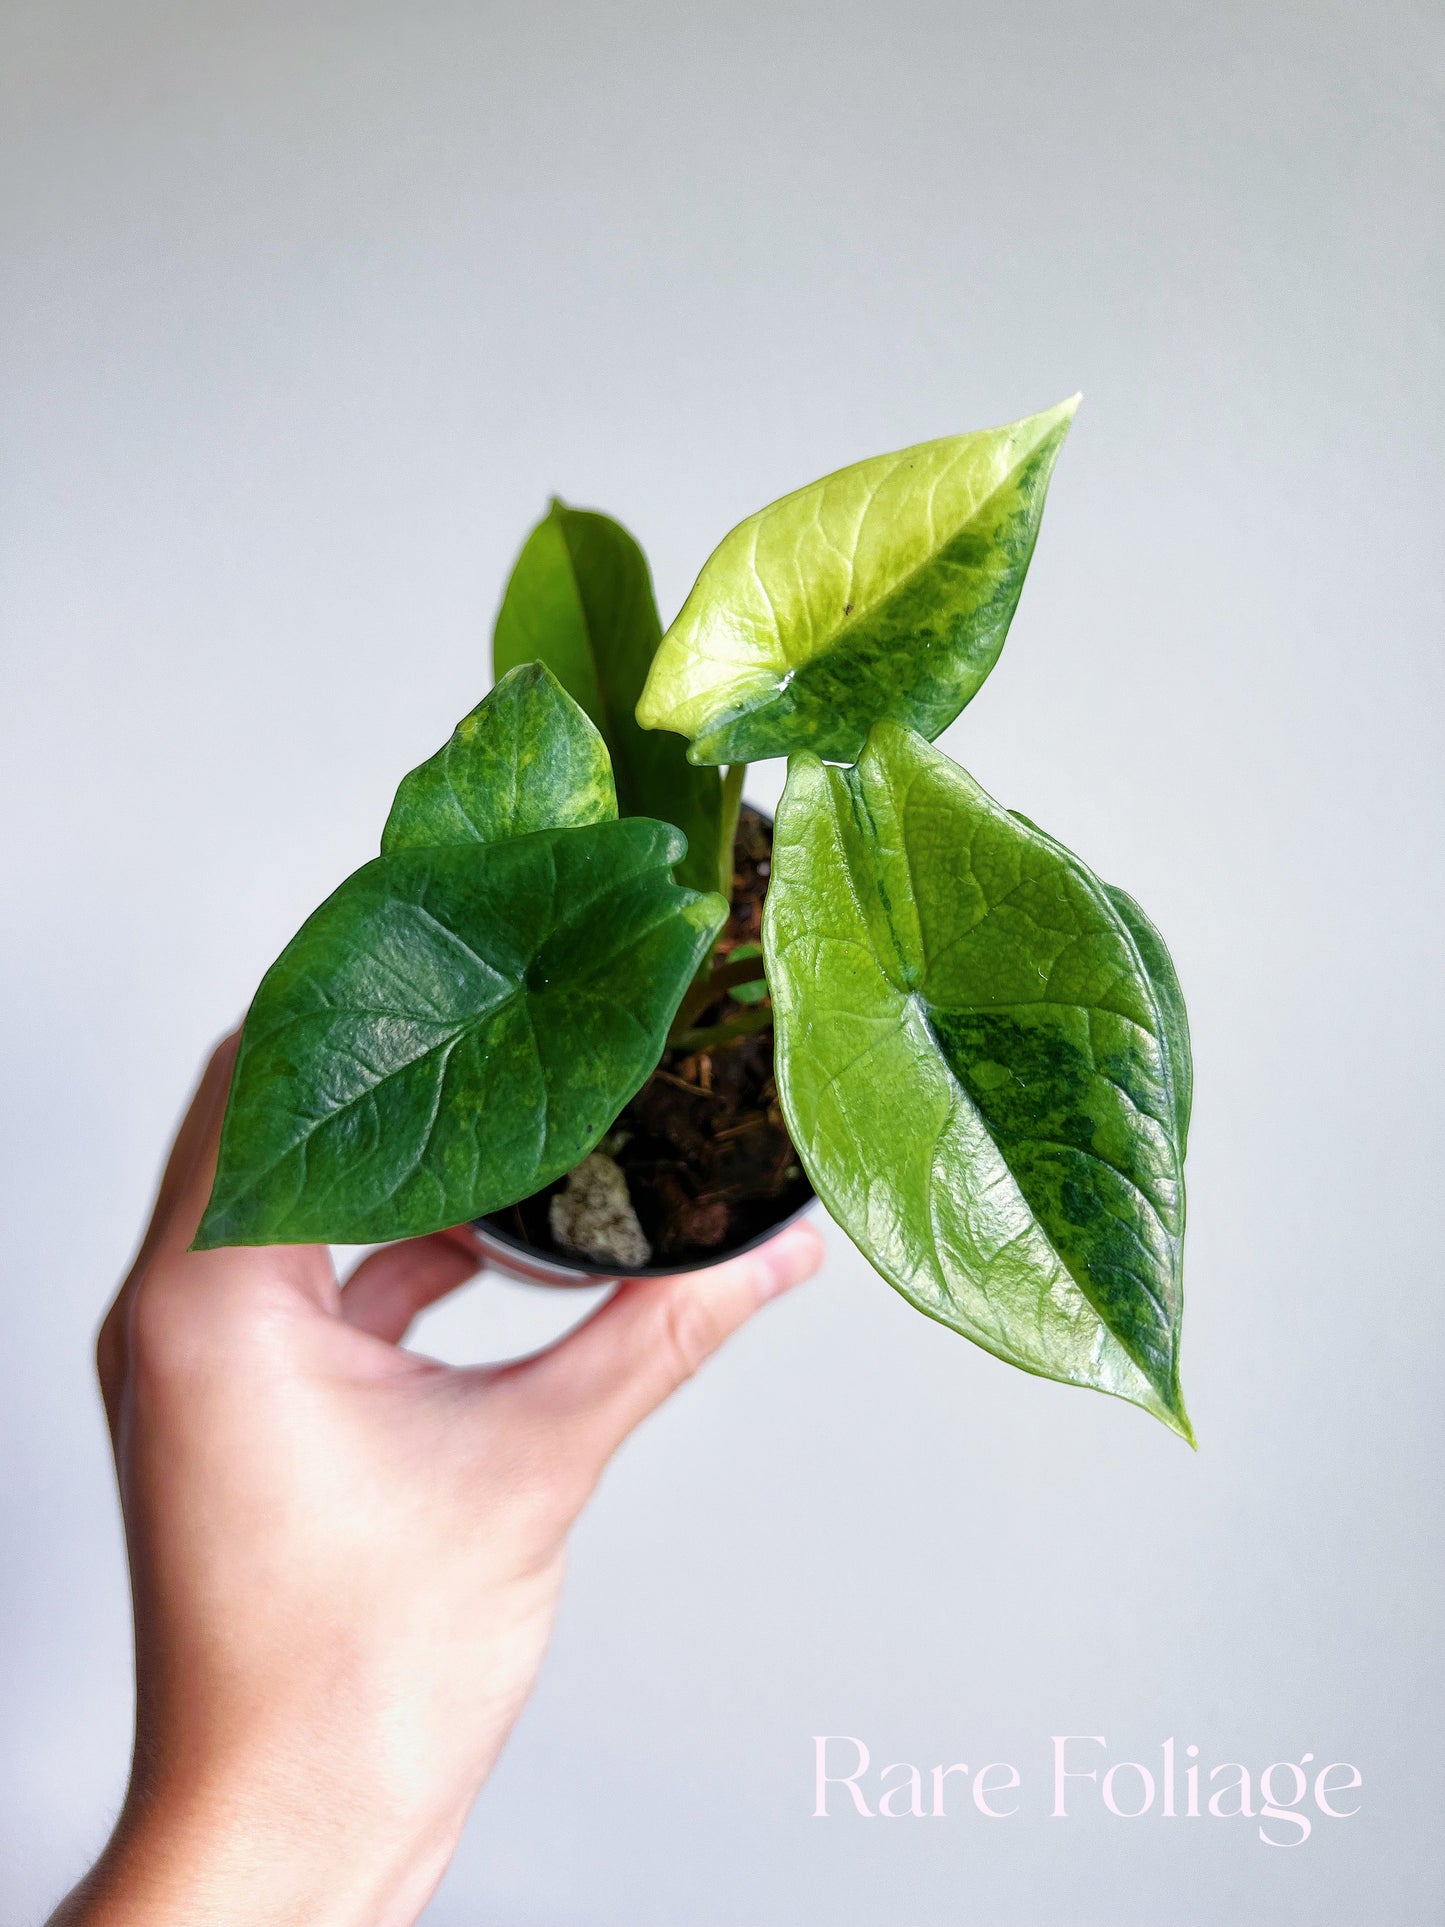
x=181 y=1198
x=191 y=1167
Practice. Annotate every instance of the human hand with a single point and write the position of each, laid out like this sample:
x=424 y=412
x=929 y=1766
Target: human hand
x=344 y=1558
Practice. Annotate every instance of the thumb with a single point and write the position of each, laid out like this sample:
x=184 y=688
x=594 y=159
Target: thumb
x=605 y=1377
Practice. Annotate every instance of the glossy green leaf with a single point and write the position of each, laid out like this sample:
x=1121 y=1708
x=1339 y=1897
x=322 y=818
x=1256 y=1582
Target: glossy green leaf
x=978 y=1068
x=884 y=591
x=580 y=600
x=527 y=758
x=451 y=1030
x=1154 y=955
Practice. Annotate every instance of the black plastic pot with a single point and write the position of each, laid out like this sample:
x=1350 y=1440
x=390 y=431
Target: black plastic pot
x=524 y=1260
x=551 y=1268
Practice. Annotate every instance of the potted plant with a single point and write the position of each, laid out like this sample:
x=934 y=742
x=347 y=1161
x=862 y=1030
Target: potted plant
x=579 y=971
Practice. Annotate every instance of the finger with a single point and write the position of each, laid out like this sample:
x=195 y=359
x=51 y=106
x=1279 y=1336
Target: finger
x=191 y=1168
x=388 y=1289
x=192 y=1161
x=652 y=1335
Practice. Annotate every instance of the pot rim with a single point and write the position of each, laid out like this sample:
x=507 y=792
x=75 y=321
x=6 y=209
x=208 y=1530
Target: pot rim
x=534 y=1266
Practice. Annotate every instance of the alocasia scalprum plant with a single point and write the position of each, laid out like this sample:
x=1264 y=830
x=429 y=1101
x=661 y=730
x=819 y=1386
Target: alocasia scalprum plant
x=981 y=1050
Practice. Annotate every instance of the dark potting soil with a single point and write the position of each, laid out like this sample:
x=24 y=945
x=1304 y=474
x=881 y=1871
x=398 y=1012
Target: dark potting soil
x=708 y=1162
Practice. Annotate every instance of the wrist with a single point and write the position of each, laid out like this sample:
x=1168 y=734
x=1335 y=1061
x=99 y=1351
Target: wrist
x=193 y=1862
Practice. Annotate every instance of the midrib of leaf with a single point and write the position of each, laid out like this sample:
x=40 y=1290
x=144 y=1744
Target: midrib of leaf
x=1000 y=1340
x=446 y=1048
x=898 y=586
x=914 y=995
x=446 y=1044
x=868 y=825
x=472 y=1022
x=540 y=1140
x=515 y=786
x=453 y=1032
x=997 y=1340
x=462 y=810
x=607 y=724
x=1082 y=1283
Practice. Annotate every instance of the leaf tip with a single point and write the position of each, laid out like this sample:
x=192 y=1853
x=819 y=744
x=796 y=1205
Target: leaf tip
x=523 y=675
x=1054 y=423
x=1170 y=1411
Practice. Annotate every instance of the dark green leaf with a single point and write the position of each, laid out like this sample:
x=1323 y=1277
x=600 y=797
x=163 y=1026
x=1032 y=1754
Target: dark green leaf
x=451 y=1030
x=885 y=590
x=527 y=758
x=580 y=600
x=978 y=1069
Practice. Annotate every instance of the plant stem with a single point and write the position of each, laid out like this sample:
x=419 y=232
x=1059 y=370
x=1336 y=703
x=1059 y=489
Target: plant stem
x=732 y=797
x=715 y=1036
x=707 y=990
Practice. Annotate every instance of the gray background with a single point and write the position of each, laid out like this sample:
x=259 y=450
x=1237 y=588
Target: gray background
x=306 y=312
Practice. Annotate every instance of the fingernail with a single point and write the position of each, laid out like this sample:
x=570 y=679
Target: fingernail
x=791 y=1257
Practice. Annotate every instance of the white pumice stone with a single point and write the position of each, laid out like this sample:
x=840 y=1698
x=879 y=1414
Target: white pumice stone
x=594 y=1215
